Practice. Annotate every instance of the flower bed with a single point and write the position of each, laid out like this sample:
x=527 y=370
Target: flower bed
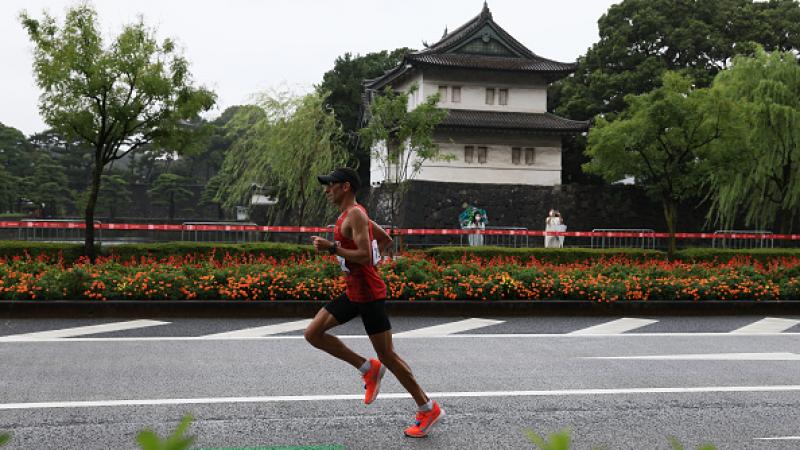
x=413 y=277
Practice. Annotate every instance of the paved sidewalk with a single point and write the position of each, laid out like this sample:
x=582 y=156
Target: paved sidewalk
x=299 y=308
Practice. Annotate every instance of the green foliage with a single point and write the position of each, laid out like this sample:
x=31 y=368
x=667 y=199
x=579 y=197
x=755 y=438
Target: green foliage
x=284 y=142
x=115 y=98
x=662 y=140
x=69 y=252
x=72 y=252
x=765 y=188
x=402 y=140
x=148 y=440
x=551 y=255
x=676 y=445
x=562 y=441
x=556 y=441
x=279 y=251
x=4 y=438
x=641 y=39
x=345 y=84
x=114 y=196
x=168 y=189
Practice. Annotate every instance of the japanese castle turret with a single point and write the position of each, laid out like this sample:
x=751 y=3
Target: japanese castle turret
x=495 y=90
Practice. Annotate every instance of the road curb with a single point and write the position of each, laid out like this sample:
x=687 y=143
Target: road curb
x=306 y=308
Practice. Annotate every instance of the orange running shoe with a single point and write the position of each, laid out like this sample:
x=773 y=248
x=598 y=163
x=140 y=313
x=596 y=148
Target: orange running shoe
x=372 y=380
x=424 y=421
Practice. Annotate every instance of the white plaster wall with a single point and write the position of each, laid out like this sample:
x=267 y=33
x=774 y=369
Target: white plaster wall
x=473 y=96
x=416 y=99
x=498 y=169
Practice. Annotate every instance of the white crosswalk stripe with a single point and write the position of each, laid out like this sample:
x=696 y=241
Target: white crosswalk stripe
x=767 y=325
x=80 y=331
x=267 y=330
x=615 y=326
x=450 y=328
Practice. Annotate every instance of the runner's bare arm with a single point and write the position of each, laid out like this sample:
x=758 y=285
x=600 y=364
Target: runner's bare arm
x=384 y=240
x=358 y=226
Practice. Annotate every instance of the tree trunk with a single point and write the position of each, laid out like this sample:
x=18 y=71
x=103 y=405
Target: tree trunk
x=785 y=218
x=671 y=217
x=301 y=212
x=88 y=246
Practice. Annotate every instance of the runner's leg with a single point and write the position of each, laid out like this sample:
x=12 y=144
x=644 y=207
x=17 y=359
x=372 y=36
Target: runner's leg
x=316 y=335
x=382 y=343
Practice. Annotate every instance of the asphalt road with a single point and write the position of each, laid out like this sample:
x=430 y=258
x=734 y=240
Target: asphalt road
x=617 y=383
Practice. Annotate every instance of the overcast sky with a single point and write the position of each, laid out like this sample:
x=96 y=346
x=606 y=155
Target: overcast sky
x=239 y=47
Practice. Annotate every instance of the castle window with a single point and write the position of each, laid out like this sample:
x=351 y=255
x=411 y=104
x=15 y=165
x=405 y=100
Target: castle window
x=502 y=97
x=455 y=94
x=530 y=156
x=515 y=155
x=482 y=155
x=442 y=94
x=490 y=96
x=469 y=153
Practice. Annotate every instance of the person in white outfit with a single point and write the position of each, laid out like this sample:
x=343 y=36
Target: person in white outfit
x=553 y=222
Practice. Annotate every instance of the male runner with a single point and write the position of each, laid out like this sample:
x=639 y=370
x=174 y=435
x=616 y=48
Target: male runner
x=365 y=295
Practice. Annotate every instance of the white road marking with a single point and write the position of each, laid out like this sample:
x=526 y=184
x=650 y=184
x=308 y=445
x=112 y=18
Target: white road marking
x=767 y=325
x=780 y=438
x=335 y=397
x=17 y=339
x=711 y=357
x=449 y=328
x=267 y=330
x=78 y=331
x=618 y=326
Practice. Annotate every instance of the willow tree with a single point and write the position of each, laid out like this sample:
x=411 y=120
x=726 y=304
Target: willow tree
x=116 y=98
x=401 y=140
x=284 y=143
x=757 y=170
x=661 y=139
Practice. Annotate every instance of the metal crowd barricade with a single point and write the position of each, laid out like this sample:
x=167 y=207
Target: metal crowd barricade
x=497 y=240
x=647 y=242
x=234 y=236
x=56 y=234
x=762 y=240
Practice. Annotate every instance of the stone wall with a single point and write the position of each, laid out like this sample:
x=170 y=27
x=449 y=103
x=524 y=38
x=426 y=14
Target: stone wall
x=584 y=207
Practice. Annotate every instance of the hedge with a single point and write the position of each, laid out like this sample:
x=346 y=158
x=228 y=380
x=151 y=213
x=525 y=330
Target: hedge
x=551 y=255
x=72 y=252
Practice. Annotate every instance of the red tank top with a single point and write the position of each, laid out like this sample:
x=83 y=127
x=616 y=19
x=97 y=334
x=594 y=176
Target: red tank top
x=364 y=284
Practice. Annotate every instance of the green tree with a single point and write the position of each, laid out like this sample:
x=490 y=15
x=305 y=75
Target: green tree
x=47 y=185
x=661 y=140
x=402 y=140
x=115 y=196
x=116 y=98
x=756 y=170
x=285 y=144
x=9 y=192
x=169 y=189
x=16 y=154
x=74 y=157
x=344 y=85
x=641 y=39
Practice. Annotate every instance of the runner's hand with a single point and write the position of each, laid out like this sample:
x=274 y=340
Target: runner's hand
x=321 y=244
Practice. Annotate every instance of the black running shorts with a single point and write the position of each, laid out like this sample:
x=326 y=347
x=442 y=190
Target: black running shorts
x=373 y=314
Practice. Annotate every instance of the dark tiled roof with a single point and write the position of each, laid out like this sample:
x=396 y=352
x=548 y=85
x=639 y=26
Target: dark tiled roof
x=445 y=53
x=463 y=118
x=536 y=64
x=455 y=37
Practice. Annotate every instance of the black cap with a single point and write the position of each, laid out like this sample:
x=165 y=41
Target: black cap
x=341 y=175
